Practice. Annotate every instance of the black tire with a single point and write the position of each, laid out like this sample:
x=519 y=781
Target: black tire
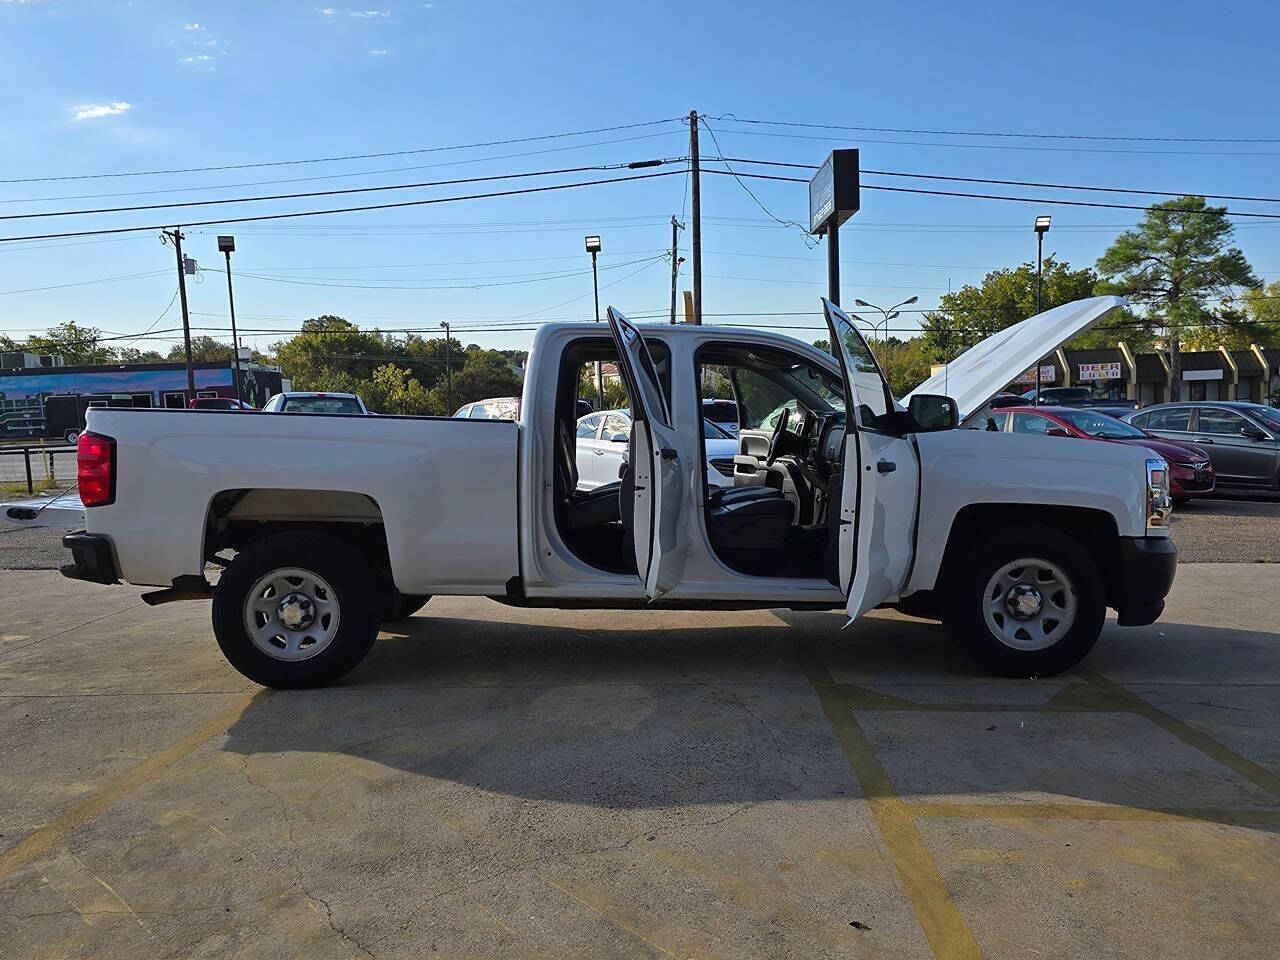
x=1181 y=501
x=343 y=569
x=72 y=437
x=964 y=596
x=400 y=606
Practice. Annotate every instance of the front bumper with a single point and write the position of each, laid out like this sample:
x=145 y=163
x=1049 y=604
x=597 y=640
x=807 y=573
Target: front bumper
x=91 y=557
x=1187 y=481
x=1147 y=568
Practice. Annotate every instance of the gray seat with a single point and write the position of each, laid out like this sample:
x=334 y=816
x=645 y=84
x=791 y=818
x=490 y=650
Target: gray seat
x=748 y=518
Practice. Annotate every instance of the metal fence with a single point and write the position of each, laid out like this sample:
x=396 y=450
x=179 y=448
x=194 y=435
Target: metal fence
x=36 y=467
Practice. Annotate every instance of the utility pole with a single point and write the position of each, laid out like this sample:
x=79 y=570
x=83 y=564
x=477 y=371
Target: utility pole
x=176 y=236
x=675 y=263
x=448 y=370
x=696 y=199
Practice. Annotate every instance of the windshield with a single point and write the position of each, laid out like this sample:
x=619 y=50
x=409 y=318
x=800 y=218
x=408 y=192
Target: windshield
x=720 y=411
x=712 y=432
x=1099 y=425
x=321 y=405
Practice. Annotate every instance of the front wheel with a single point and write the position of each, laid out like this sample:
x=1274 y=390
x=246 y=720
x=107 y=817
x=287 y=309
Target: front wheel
x=295 y=610
x=1025 y=601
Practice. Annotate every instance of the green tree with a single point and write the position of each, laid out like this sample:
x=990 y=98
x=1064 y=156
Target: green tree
x=1005 y=297
x=394 y=390
x=486 y=373
x=78 y=345
x=203 y=350
x=135 y=355
x=1174 y=263
x=329 y=351
x=906 y=363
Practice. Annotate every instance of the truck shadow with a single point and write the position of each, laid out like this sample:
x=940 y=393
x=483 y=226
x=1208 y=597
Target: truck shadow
x=647 y=710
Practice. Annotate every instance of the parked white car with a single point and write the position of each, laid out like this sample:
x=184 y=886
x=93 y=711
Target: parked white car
x=604 y=438
x=299 y=402
x=1015 y=541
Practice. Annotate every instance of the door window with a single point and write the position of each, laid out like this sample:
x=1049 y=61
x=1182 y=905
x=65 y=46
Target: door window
x=587 y=428
x=1221 y=422
x=1031 y=423
x=1177 y=419
x=874 y=400
x=616 y=425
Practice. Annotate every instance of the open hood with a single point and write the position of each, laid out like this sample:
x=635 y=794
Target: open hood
x=983 y=370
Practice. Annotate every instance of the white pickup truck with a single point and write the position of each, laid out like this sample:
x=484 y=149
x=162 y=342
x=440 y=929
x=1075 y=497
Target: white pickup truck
x=323 y=525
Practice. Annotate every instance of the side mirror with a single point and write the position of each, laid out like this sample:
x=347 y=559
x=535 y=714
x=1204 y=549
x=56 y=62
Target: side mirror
x=933 y=412
x=618 y=438
x=1058 y=432
x=1253 y=433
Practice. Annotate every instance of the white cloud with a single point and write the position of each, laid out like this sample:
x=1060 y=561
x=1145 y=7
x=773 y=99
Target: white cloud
x=377 y=53
x=91 y=111
x=192 y=26
x=325 y=11
x=368 y=14
x=202 y=58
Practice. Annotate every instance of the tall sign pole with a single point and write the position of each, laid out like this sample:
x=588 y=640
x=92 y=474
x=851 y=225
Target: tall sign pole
x=695 y=179
x=176 y=236
x=675 y=263
x=834 y=196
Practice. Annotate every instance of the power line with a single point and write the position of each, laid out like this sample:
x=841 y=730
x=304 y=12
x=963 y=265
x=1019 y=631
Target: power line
x=1018 y=183
x=731 y=118
x=995 y=196
x=355 y=209
x=85 y=283
x=350 y=156
x=343 y=176
x=634 y=165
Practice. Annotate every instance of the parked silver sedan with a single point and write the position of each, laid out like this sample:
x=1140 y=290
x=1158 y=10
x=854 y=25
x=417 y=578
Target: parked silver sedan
x=1242 y=439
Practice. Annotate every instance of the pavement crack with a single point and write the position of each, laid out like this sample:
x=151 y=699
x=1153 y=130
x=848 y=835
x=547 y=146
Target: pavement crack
x=300 y=878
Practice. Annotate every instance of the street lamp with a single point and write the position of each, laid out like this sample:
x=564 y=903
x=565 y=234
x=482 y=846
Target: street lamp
x=227 y=245
x=448 y=369
x=1042 y=227
x=888 y=315
x=593 y=247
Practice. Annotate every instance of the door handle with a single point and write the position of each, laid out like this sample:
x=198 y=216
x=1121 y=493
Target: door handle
x=886 y=466
x=1202 y=440
x=668 y=453
x=599 y=453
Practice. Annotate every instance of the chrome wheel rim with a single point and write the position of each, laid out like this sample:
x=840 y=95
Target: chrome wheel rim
x=291 y=614
x=1029 y=604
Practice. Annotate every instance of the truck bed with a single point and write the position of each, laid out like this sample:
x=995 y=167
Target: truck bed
x=444 y=488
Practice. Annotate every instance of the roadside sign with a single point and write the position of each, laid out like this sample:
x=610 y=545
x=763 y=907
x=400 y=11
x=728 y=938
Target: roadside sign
x=834 y=191
x=1048 y=373
x=1100 y=371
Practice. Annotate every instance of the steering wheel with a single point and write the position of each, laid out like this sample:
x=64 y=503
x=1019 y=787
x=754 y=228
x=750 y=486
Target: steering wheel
x=775 y=441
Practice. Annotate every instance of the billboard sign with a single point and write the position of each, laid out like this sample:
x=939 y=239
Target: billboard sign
x=1048 y=373
x=833 y=192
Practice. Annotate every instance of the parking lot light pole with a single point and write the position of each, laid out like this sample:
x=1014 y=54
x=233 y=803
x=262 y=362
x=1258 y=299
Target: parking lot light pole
x=888 y=315
x=1042 y=227
x=227 y=245
x=593 y=248
x=448 y=370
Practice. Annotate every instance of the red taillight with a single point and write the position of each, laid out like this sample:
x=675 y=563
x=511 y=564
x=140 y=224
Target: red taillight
x=96 y=468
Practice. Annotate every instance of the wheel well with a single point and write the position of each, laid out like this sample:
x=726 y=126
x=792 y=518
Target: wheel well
x=1095 y=530
x=239 y=517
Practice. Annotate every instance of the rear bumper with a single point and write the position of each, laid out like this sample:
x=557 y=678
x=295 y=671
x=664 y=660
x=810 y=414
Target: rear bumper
x=91 y=558
x=1147 y=568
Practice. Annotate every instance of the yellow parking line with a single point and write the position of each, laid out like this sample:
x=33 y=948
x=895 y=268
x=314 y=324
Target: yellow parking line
x=1253 y=772
x=948 y=935
x=31 y=846
x=1087 y=811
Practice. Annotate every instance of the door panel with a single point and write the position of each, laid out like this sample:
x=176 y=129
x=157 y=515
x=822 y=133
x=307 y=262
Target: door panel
x=1235 y=457
x=659 y=475
x=880 y=479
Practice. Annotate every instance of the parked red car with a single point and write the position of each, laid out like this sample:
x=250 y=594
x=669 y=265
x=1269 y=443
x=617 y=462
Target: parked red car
x=1190 y=471
x=218 y=403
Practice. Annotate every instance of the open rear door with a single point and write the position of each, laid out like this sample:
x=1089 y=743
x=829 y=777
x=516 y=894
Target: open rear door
x=655 y=465
x=863 y=588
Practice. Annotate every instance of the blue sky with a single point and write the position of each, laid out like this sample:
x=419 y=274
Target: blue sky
x=109 y=87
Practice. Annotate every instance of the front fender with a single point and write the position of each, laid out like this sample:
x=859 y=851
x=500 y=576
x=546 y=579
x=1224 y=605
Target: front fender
x=963 y=467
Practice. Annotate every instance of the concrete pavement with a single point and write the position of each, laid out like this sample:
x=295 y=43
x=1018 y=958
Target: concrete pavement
x=501 y=782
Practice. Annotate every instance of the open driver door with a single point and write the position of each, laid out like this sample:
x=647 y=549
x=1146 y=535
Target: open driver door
x=655 y=465
x=863 y=587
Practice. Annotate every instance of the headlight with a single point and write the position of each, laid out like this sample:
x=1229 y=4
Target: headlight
x=1159 y=505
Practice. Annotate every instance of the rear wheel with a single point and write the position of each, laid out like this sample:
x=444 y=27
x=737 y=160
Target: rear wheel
x=295 y=610
x=1025 y=601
